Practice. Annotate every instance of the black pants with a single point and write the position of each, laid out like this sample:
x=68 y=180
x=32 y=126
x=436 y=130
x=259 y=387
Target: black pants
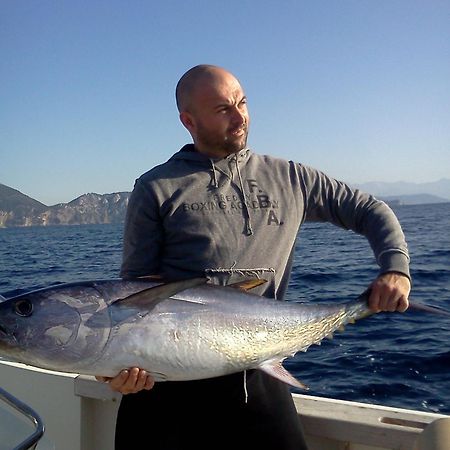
x=211 y=414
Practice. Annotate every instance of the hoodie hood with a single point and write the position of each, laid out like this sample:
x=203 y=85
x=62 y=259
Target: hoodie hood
x=189 y=153
x=228 y=167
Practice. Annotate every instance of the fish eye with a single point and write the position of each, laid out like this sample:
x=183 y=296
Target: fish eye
x=23 y=308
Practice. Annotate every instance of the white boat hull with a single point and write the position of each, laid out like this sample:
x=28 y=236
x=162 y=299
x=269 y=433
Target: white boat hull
x=91 y=407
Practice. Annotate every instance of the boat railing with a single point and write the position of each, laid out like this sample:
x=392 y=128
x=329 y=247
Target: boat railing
x=32 y=440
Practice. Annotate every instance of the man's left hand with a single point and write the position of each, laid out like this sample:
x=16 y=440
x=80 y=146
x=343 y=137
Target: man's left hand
x=390 y=292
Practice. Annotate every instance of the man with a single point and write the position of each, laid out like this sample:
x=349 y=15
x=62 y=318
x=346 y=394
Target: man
x=217 y=209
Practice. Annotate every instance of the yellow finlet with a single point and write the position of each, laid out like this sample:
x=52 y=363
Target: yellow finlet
x=246 y=285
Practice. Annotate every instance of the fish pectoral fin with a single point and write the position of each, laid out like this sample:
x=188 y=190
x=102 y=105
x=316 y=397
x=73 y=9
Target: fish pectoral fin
x=148 y=298
x=246 y=285
x=139 y=304
x=276 y=370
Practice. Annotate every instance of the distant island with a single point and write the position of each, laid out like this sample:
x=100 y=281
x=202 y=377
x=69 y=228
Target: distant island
x=20 y=210
x=401 y=192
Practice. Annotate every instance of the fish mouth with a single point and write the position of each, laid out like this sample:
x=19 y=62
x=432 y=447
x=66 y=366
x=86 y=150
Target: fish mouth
x=4 y=331
x=7 y=338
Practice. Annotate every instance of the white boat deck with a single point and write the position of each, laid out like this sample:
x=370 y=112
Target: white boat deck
x=79 y=414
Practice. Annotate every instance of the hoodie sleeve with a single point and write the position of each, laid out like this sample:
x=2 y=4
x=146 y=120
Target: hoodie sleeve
x=327 y=199
x=142 y=235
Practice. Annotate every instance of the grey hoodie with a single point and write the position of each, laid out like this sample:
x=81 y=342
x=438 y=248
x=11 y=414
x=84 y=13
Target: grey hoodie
x=240 y=215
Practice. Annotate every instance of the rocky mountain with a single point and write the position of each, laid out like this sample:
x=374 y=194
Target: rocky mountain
x=17 y=209
x=87 y=209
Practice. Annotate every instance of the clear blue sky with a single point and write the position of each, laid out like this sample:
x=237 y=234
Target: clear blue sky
x=359 y=89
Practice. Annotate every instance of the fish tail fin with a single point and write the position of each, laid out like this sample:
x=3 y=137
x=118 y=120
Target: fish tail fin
x=428 y=309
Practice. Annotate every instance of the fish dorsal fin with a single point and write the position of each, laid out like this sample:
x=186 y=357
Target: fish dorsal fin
x=151 y=296
x=249 y=284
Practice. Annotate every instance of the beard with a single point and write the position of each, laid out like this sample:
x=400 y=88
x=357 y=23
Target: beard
x=228 y=143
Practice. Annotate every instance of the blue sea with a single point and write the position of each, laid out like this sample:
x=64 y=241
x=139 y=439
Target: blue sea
x=400 y=360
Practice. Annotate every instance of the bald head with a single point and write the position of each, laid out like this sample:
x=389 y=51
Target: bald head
x=199 y=76
x=213 y=108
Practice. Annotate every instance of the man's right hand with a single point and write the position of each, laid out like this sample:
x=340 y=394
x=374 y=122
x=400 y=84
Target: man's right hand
x=130 y=381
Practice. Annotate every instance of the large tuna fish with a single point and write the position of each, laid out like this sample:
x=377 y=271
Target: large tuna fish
x=176 y=331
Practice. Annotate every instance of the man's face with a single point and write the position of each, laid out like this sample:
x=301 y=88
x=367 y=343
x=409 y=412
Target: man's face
x=219 y=117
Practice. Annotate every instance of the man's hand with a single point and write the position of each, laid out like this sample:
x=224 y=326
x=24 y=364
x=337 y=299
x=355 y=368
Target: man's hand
x=390 y=292
x=130 y=381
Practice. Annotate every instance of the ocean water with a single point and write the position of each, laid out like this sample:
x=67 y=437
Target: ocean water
x=398 y=360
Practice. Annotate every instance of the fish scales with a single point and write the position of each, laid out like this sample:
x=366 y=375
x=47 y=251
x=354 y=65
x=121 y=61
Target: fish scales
x=249 y=344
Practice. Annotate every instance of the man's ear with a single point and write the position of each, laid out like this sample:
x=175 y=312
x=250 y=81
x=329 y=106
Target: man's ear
x=187 y=121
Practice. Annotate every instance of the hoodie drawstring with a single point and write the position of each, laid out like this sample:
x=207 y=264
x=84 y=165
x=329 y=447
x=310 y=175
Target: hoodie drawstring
x=248 y=224
x=213 y=167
